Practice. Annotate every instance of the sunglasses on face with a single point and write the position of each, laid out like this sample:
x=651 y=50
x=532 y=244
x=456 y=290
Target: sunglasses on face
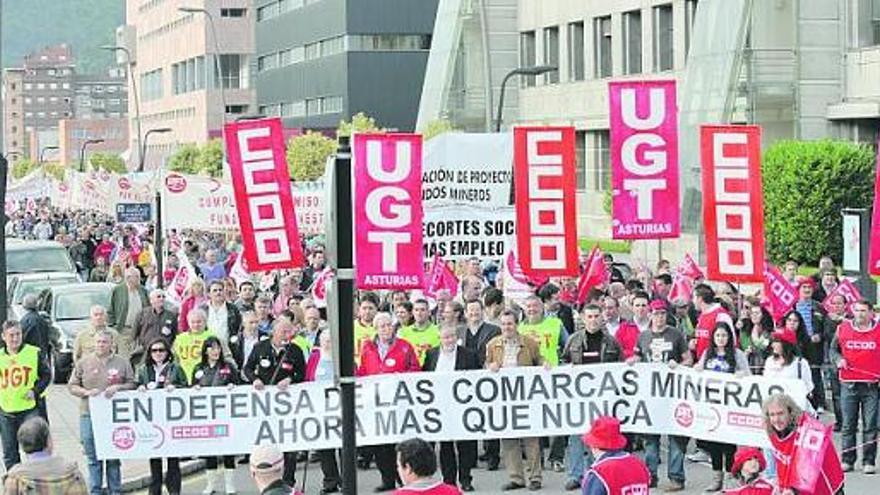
x=158 y=349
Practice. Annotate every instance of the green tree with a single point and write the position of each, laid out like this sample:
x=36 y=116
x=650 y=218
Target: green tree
x=359 y=122
x=185 y=159
x=23 y=167
x=806 y=184
x=55 y=170
x=307 y=155
x=210 y=159
x=108 y=161
x=436 y=128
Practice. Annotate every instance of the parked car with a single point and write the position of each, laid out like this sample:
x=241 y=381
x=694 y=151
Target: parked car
x=67 y=308
x=23 y=284
x=37 y=257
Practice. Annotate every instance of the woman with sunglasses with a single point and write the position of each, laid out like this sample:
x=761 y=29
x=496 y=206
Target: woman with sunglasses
x=160 y=371
x=216 y=370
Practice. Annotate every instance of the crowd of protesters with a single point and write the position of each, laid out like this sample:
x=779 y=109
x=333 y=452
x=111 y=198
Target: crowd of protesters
x=270 y=331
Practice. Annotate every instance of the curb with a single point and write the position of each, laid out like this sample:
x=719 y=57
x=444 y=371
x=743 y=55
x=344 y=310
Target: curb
x=186 y=468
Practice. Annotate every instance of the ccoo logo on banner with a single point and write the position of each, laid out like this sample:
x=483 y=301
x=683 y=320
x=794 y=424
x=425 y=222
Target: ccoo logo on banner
x=546 y=230
x=733 y=202
x=258 y=166
x=644 y=159
x=388 y=211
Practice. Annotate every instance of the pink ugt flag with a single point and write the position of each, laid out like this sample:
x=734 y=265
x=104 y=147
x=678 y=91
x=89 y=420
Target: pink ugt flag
x=440 y=277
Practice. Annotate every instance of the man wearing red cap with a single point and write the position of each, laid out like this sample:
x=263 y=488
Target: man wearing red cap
x=663 y=344
x=748 y=462
x=854 y=351
x=615 y=471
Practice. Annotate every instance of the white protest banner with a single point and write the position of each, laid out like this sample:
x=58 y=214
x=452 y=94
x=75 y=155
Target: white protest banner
x=35 y=185
x=467 y=169
x=60 y=194
x=133 y=188
x=205 y=203
x=90 y=191
x=463 y=405
x=196 y=202
x=309 y=202
x=460 y=232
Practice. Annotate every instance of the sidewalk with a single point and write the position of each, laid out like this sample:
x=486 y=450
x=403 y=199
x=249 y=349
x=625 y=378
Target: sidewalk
x=64 y=423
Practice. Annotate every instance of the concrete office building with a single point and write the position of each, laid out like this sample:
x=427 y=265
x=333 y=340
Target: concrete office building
x=803 y=69
x=176 y=58
x=321 y=61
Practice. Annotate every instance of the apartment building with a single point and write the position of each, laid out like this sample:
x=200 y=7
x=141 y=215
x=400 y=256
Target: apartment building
x=192 y=68
x=100 y=96
x=321 y=61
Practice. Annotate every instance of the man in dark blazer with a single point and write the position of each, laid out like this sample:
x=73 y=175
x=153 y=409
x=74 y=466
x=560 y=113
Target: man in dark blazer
x=476 y=334
x=450 y=356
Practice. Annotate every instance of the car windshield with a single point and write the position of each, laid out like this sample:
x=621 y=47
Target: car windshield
x=76 y=305
x=46 y=259
x=26 y=287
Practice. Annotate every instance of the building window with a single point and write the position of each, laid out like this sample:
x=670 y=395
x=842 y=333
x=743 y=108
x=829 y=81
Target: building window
x=632 y=42
x=267 y=62
x=602 y=43
x=313 y=107
x=233 y=12
x=27 y=86
x=527 y=55
x=312 y=51
x=291 y=56
x=576 y=51
x=267 y=12
x=288 y=5
x=236 y=109
x=28 y=100
x=294 y=110
x=390 y=42
x=551 y=53
x=866 y=22
x=332 y=46
x=580 y=159
x=600 y=153
x=65 y=85
x=663 y=38
x=333 y=104
x=690 y=14
x=231 y=71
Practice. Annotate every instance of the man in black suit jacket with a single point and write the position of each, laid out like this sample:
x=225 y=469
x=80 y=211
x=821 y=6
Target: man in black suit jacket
x=450 y=356
x=476 y=334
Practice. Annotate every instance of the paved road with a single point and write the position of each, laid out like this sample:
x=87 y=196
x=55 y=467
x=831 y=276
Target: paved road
x=64 y=416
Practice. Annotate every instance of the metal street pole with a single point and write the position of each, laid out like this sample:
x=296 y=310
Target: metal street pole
x=43 y=153
x=519 y=71
x=4 y=169
x=157 y=237
x=217 y=69
x=82 y=152
x=341 y=305
x=143 y=151
x=137 y=98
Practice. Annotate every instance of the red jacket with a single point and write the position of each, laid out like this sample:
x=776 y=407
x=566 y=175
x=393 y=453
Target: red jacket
x=401 y=358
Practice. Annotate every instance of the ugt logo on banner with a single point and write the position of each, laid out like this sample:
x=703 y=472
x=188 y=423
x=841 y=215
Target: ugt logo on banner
x=644 y=159
x=257 y=163
x=546 y=233
x=733 y=202
x=388 y=211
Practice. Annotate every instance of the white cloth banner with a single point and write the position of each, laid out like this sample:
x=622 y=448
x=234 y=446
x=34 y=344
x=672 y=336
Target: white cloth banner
x=467 y=170
x=460 y=232
x=513 y=403
x=205 y=203
x=135 y=187
x=90 y=190
x=34 y=186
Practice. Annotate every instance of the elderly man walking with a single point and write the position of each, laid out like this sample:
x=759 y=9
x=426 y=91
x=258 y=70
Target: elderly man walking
x=126 y=302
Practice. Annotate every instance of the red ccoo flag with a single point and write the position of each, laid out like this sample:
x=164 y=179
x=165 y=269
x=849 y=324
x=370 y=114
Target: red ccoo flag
x=593 y=276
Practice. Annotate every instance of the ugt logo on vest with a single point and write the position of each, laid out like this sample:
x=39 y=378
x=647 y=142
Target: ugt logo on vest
x=388 y=211
x=257 y=163
x=15 y=376
x=546 y=233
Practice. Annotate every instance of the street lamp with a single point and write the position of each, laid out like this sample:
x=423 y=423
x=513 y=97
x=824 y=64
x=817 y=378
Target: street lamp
x=520 y=71
x=143 y=152
x=200 y=10
x=43 y=152
x=137 y=98
x=82 y=152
